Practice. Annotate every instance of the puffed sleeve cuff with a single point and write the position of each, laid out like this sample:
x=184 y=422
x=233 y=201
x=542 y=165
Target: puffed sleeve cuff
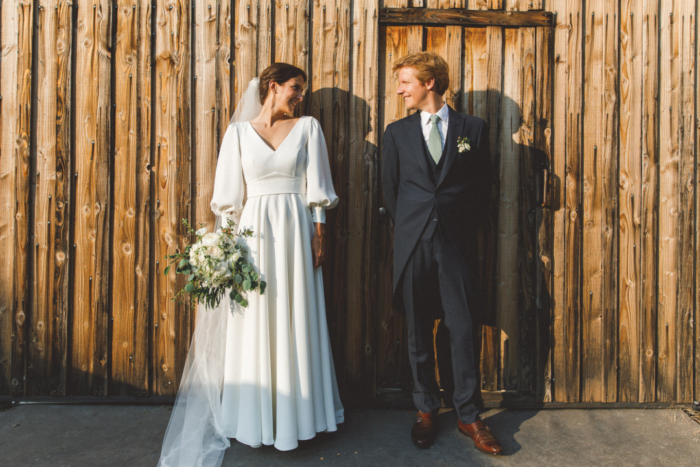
x=318 y=214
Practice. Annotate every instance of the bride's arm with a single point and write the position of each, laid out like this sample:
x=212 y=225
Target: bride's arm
x=320 y=194
x=229 y=184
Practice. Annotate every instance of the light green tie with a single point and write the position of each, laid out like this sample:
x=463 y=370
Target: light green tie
x=434 y=140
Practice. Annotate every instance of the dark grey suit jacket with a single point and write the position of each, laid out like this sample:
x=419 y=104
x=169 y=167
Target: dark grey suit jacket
x=461 y=194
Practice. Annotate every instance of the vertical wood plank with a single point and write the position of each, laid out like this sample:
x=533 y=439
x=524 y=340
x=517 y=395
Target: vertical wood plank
x=447 y=42
x=567 y=315
x=600 y=204
x=631 y=101
x=611 y=200
x=15 y=121
x=292 y=32
x=393 y=369
x=224 y=78
x=507 y=295
x=491 y=336
x=481 y=97
x=686 y=213
x=252 y=42
x=562 y=65
x=475 y=72
x=696 y=336
x=669 y=202
x=650 y=201
x=526 y=254
x=132 y=200
x=91 y=307
x=48 y=328
x=544 y=217
x=363 y=188
x=63 y=194
x=330 y=83
x=210 y=107
x=172 y=320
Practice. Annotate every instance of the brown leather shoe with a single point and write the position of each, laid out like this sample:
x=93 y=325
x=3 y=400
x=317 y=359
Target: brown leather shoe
x=423 y=431
x=484 y=440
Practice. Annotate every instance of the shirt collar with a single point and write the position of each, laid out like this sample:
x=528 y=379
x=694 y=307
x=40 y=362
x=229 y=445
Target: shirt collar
x=443 y=113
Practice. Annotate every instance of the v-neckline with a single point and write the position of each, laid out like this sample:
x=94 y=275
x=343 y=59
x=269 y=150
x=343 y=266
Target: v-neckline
x=262 y=140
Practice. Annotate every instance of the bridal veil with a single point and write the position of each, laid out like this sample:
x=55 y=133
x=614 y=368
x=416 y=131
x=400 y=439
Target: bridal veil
x=194 y=437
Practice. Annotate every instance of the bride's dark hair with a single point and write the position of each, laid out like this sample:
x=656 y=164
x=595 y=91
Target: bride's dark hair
x=280 y=73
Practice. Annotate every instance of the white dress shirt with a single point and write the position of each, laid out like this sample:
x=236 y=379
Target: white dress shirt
x=426 y=125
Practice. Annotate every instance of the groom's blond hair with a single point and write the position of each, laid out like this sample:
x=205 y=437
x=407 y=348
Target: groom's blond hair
x=427 y=65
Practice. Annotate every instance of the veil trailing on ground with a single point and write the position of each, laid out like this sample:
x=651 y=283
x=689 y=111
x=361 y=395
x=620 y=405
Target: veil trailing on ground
x=194 y=437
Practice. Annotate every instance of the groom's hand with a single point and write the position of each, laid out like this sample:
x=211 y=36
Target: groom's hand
x=318 y=244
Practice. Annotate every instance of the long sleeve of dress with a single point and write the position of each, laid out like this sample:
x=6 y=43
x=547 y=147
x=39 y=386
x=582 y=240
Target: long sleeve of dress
x=320 y=194
x=229 y=184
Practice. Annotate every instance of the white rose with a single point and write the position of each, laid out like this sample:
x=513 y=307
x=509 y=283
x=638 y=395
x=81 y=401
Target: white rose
x=235 y=256
x=215 y=252
x=210 y=239
x=201 y=232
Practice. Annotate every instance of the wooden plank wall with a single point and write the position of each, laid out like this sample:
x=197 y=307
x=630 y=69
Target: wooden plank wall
x=111 y=115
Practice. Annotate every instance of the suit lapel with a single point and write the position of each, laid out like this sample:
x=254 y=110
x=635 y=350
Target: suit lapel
x=414 y=133
x=455 y=128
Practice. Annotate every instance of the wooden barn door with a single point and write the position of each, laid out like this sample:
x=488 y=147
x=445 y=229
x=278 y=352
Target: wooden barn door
x=503 y=75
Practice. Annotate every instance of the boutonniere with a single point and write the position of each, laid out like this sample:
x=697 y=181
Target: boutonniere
x=463 y=144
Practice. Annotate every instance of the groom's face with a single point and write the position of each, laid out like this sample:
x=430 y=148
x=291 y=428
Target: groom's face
x=414 y=92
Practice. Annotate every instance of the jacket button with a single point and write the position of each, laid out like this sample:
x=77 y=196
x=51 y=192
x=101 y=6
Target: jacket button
x=437 y=195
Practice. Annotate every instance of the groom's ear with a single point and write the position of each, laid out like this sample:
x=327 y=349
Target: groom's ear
x=430 y=84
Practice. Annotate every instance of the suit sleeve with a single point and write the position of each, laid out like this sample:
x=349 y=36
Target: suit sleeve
x=390 y=172
x=485 y=170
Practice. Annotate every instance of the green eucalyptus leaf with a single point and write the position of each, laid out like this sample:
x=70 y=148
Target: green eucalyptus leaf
x=263 y=285
x=189 y=287
x=238 y=278
x=246 y=284
x=244 y=303
x=183 y=262
x=165 y=273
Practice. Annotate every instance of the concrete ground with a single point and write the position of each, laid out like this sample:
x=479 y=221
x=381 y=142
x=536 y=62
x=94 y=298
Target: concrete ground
x=72 y=435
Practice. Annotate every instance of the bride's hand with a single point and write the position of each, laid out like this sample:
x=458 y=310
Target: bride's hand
x=318 y=244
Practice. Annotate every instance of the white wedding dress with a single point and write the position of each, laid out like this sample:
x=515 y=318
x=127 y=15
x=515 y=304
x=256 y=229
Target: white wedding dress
x=263 y=374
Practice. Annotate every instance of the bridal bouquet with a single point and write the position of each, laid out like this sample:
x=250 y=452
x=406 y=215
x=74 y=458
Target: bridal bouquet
x=215 y=264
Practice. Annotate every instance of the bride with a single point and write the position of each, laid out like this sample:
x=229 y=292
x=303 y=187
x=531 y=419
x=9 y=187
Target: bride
x=264 y=374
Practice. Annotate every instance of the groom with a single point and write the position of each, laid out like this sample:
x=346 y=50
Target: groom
x=436 y=179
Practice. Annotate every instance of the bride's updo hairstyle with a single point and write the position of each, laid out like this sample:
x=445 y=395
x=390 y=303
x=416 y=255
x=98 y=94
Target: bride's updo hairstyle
x=280 y=73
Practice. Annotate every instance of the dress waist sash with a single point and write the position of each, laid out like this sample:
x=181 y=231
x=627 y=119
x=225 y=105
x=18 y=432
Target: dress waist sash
x=276 y=186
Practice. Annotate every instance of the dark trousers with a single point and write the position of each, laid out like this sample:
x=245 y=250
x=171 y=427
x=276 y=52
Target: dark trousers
x=437 y=285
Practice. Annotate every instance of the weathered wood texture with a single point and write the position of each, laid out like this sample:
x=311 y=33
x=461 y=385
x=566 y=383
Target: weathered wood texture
x=92 y=272
x=599 y=204
x=15 y=121
x=172 y=174
x=46 y=370
x=460 y=17
x=132 y=197
x=630 y=191
x=591 y=280
x=650 y=201
x=491 y=70
x=566 y=291
x=543 y=142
